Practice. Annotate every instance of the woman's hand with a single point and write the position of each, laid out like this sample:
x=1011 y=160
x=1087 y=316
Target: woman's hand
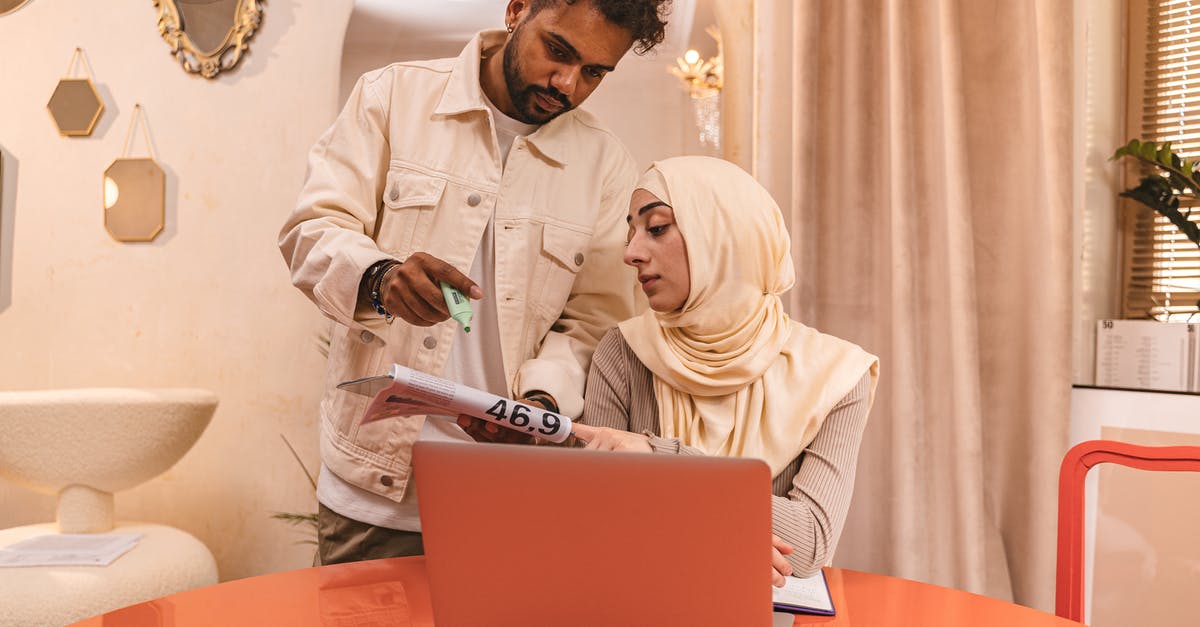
x=780 y=568
x=605 y=439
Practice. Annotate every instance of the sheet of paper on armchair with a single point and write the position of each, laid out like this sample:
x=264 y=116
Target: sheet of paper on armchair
x=69 y=549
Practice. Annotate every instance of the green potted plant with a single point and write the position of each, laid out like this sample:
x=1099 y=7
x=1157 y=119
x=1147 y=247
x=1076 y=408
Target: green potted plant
x=1169 y=179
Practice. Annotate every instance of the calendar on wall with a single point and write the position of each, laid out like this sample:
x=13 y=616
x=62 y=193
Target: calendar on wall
x=1148 y=355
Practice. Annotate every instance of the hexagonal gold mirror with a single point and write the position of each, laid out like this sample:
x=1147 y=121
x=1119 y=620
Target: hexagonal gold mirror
x=75 y=104
x=8 y=6
x=135 y=192
x=208 y=36
x=75 y=107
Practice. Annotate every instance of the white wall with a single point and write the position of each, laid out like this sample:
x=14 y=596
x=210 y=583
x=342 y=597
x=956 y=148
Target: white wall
x=208 y=304
x=1100 y=128
x=641 y=102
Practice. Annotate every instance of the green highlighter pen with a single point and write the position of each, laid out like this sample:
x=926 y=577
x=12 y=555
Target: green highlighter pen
x=459 y=305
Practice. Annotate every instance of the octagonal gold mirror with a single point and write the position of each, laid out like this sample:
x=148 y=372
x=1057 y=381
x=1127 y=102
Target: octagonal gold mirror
x=8 y=6
x=135 y=191
x=134 y=199
x=208 y=36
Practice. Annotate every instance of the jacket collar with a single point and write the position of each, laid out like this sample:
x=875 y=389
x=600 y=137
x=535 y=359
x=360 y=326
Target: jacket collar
x=463 y=94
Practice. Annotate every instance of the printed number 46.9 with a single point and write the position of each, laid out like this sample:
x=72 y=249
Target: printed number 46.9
x=520 y=417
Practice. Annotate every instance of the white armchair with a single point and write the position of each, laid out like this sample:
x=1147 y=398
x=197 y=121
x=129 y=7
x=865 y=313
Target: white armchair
x=83 y=445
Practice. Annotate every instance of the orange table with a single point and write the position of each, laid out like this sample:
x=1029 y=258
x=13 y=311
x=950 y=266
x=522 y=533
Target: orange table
x=395 y=592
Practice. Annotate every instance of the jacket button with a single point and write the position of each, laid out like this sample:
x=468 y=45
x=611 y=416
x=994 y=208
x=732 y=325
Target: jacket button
x=386 y=480
x=579 y=259
x=366 y=337
x=429 y=342
x=395 y=195
x=473 y=199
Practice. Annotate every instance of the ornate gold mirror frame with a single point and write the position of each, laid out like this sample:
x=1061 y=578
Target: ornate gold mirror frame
x=8 y=6
x=244 y=19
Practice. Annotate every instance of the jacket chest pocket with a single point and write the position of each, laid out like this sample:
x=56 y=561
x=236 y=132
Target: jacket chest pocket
x=564 y=251
x=409 y=200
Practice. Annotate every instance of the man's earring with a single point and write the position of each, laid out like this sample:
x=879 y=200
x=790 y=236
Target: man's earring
x=510 y=28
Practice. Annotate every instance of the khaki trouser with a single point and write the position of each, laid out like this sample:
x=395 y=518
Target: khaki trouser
x=342 y=539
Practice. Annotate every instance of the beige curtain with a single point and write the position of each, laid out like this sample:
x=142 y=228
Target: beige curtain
x=921 y=150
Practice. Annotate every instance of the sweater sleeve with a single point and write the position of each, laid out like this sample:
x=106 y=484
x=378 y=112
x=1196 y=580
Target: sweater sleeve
x=620 y=395
x=818 y=485
x=812 y=515
x=606 y=396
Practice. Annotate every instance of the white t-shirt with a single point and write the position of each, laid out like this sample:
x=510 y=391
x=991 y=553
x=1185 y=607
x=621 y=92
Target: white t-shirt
x=475 y=360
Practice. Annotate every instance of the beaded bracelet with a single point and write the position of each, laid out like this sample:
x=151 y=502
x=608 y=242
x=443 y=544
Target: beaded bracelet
x=375 y=276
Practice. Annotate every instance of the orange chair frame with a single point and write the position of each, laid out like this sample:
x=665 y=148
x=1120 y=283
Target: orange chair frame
x=1075 y=466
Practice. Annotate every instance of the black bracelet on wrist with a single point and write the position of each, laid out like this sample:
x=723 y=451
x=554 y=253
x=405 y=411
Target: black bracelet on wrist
x=373 y=282
x=544 y=398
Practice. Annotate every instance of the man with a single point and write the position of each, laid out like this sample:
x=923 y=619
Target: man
x=477 y=171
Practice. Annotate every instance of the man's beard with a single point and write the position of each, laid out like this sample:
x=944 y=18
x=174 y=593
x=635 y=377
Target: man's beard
x=521 y=93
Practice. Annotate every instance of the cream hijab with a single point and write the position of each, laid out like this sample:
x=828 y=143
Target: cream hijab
x=733 y=375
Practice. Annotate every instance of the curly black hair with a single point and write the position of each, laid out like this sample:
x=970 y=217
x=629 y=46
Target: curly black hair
x=644 y=19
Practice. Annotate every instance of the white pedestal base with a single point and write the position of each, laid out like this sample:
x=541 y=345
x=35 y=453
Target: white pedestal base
x=166 y=561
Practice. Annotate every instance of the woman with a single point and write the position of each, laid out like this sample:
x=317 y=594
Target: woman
x=716 y=367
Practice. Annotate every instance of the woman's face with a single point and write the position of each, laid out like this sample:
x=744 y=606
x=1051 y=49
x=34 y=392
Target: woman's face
x=656 y=248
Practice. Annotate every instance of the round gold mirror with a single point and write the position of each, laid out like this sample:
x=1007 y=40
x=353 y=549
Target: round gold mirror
x=208 y=36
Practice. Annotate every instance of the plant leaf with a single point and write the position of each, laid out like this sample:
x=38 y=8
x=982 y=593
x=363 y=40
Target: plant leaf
x=1148 y=151
x=1153 y=191
x=1128 y=150
x=296 y=519
x=1164 y=154
x=311 y=481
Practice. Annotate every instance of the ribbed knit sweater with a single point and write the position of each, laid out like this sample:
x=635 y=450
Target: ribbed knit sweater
x=810 y=497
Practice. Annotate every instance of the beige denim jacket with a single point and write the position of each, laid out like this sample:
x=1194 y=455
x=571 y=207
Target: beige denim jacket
x=412 y=164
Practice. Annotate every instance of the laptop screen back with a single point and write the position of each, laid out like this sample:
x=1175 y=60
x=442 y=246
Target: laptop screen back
x=523 y=535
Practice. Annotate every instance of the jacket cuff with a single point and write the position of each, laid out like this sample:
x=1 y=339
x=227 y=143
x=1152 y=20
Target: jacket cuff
x=337 y=293
x=553 y=379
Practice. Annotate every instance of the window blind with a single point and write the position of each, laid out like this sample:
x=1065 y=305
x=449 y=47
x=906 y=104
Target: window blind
x=1162 y=267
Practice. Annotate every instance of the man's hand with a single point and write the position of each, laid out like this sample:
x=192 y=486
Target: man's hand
x=780 y=568
x=605 y=439
x=484 y=431
x=411 y=291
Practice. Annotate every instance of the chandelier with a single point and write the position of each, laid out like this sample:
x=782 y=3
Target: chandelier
x=703 y=79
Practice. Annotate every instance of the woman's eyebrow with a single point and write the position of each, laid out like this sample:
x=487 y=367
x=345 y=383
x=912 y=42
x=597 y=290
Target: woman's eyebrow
x=648 y=207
